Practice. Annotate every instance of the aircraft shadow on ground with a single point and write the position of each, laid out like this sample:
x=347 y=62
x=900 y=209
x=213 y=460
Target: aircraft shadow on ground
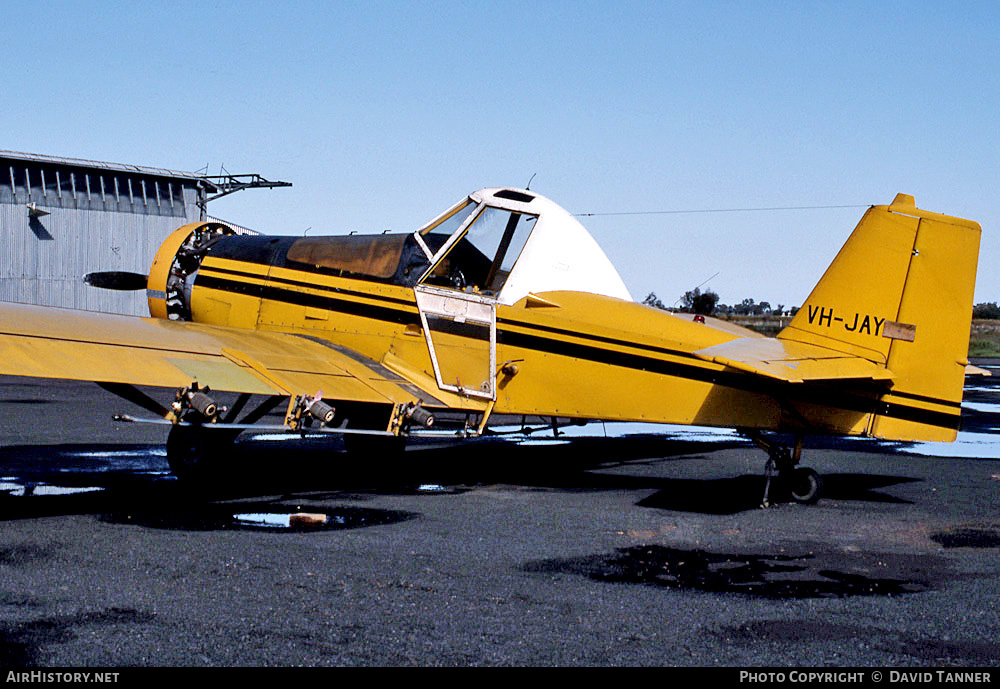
x=124 y=478
x=741 y=493
x=132 y=484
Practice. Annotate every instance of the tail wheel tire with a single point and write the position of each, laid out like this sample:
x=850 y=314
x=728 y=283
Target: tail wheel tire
x=805 y=485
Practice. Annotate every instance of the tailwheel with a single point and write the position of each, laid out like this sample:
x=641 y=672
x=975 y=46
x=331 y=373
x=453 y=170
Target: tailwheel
x=196 y=454
x=804 y=485
x=784 y=480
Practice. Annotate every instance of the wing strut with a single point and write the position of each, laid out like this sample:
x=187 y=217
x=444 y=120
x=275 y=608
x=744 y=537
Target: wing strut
x=135 y=396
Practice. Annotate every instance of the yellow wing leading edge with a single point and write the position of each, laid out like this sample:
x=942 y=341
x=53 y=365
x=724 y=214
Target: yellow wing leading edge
x=80 y=345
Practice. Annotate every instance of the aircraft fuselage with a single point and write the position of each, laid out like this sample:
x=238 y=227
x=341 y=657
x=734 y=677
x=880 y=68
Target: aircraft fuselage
x=620 y=360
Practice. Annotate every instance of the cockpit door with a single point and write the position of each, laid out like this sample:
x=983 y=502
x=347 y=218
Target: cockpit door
x=461 y=333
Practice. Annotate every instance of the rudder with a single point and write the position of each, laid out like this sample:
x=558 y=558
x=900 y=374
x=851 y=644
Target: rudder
x=900 y=294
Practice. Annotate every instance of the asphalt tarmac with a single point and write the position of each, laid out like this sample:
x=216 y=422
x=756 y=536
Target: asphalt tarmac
x=643 y=550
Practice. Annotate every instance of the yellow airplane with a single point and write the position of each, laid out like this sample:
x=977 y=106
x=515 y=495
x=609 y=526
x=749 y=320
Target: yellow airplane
x=505 y=307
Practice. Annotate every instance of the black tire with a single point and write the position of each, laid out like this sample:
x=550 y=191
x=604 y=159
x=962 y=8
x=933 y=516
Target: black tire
x=377 y=448
x=372 y=448
x=198 y=455
x=804 y=485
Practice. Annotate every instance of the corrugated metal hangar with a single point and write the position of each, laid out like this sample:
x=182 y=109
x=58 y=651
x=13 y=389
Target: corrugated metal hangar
x=61 y=218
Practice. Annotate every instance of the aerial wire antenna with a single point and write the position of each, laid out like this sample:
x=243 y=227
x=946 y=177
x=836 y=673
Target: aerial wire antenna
x=698 y=287
x=725 y=210
x=528 y=188
x=709 y=280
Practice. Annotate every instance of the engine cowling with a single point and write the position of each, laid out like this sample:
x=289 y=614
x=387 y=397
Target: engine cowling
x=175 y=266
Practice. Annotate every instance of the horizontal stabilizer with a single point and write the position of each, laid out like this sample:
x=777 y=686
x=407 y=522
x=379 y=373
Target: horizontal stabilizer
x=792 y=362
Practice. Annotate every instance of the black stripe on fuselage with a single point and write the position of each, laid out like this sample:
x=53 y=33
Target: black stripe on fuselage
x=305 y=283
x=203 y=280
x=925 y=398
x=826 y=395
x=330 y=303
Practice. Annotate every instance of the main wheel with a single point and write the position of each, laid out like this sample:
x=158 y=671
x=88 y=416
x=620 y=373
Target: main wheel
x=196 y=454
x=375 y=447
x=372 y=448
x=804 y=485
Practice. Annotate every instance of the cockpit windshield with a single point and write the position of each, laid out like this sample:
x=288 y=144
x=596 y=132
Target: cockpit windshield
x=480 y=255
x=452 y=220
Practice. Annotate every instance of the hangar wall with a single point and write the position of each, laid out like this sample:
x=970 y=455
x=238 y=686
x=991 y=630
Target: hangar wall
x=61 y=218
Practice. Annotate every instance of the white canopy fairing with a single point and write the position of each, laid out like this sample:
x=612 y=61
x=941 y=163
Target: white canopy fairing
x=512 y=242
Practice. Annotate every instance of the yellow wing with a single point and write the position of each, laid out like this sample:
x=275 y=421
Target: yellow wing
x=47 y=342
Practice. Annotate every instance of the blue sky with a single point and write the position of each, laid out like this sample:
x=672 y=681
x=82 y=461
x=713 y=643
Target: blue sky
x=383 y=113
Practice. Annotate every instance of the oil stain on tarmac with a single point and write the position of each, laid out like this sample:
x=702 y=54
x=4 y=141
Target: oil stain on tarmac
x=781 y=576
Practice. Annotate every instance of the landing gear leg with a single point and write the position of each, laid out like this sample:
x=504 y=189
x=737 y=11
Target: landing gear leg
x=783 y=477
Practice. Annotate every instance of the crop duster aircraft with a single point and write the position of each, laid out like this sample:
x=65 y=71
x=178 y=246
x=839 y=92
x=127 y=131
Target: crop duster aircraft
x=504 y=306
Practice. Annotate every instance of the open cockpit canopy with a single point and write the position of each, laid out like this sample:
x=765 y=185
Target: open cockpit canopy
x=504 y=243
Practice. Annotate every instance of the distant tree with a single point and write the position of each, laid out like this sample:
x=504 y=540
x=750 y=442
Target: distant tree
x=745 y=307
x=700 y=302
x=652 y=300
x=986 y=310
x=707 y=303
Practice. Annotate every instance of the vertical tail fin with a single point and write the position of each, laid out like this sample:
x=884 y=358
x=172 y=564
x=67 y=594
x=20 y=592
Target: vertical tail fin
x=900 y=294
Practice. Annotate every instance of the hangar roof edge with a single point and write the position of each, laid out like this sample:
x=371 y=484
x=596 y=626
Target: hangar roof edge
x=96 y=164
